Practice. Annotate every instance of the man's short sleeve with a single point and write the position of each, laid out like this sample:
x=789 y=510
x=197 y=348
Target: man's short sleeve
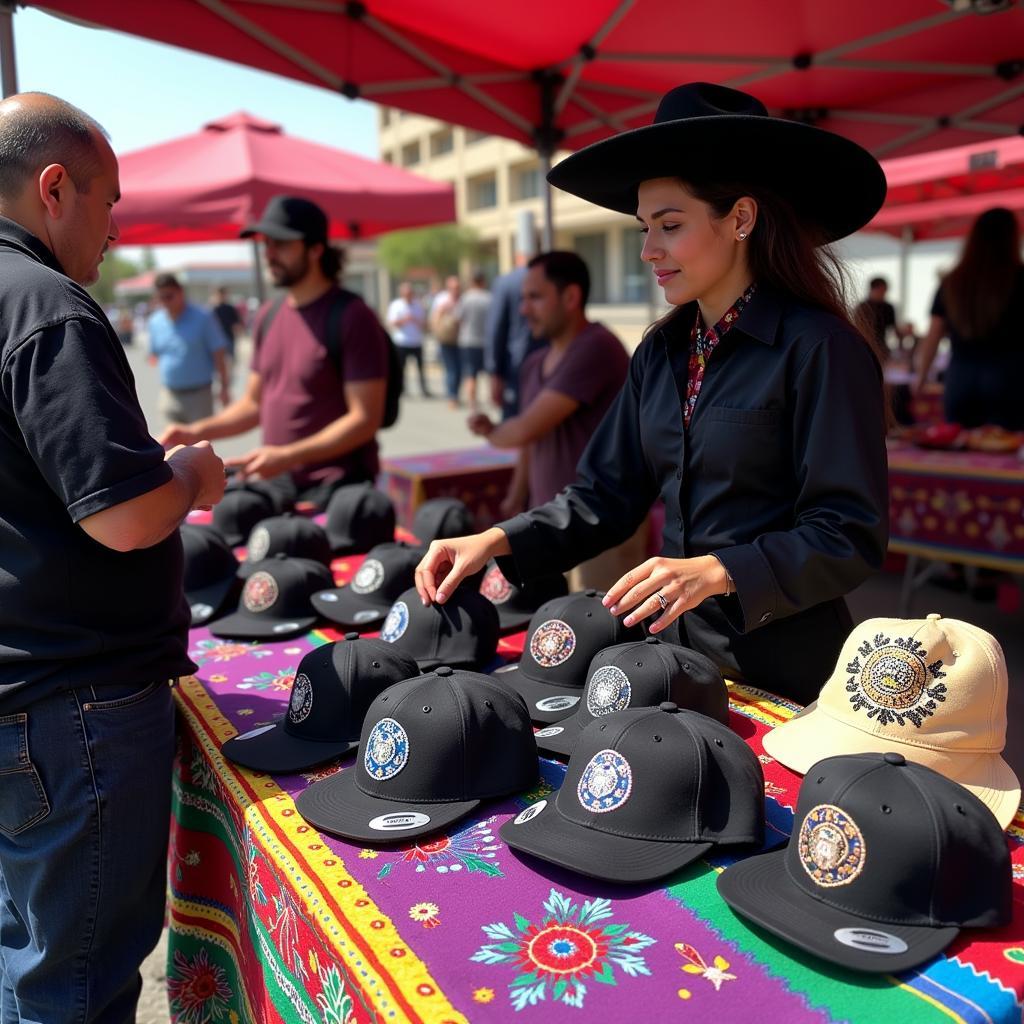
x=74 y=402
x=364 y=345
x=939 y=304
x=592 y=361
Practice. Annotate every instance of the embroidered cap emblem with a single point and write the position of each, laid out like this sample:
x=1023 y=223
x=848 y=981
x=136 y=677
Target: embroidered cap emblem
x=260 y=592
x=495 y=587
x=369 y=577
x=553 y=642
x=301 y=702
x=891 y=680
x=396 y=623
x=606 y=782
x=830 y=847
x=259 y=544
x=609 y=691
x=387 y=750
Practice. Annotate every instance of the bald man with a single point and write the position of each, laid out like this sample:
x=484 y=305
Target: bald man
x=93 y=623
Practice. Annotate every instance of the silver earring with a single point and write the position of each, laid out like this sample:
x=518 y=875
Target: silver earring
x=743 y=235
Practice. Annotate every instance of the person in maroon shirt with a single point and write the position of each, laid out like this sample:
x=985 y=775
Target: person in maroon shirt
x=319 y=415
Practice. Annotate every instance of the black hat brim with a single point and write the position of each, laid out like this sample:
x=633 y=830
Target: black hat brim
x=511 y=620
x=338 y=806
x=268 y=229
x=602 y=855
x=214 y=596
x=532 y=692
x=349 y=609
x=278 y=751
x=759 y=889
x=258 y=627
x=831 y=181
x=561 y=744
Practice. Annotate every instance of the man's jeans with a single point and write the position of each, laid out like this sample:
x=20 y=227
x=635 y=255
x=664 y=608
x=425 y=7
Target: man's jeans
x=85 y=793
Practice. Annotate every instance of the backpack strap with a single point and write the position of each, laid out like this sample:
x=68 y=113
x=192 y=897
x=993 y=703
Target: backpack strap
x=263 y=325
x=334 y=316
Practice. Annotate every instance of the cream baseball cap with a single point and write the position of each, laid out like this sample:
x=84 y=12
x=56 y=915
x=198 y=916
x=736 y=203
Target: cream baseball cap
x=932 y=689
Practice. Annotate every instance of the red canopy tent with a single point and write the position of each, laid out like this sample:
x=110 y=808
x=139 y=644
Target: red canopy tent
x=204 y=187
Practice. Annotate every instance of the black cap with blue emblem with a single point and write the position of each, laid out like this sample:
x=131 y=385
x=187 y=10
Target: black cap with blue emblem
x=887 y=862
x=432 y=749
x=647 y=791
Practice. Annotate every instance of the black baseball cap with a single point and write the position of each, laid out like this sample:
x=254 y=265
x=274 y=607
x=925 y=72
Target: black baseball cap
x=241 y=508
x=887 y=862
x=289 y=218
x=286 y=534
x=462 y=632
x=439 y=518
x=275 y=600
x=359 y=517
x=432 y=749
x=565 y=634
x=647 y=791
x=211 y=572
x=334 y=686
x=387 y=572
x=641 y=674
x=516 y=605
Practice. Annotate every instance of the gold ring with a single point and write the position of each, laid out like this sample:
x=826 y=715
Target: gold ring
x=661 y=600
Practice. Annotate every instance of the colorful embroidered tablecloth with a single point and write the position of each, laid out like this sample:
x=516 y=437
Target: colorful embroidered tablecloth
x=957 y=506
x=271 y=921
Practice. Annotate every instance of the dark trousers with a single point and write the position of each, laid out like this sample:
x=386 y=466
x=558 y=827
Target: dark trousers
x=452 y=369
x=414 y=353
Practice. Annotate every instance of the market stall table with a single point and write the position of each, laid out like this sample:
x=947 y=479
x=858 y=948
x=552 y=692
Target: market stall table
x=271 y=921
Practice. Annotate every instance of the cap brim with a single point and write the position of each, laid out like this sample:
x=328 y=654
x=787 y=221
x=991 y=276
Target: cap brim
x=814 y=734
x=533 y=693
x=259 y=627
x=338 y=806
x=275 y=231
x=759 y=888
x=348 y=609
x=611 y=858
x=561 y=743
x=512 y=621
x=213 y=597
x=277 y=750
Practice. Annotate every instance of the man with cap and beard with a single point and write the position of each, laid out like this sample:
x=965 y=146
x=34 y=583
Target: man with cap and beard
x=318 y=382
x=93 y=620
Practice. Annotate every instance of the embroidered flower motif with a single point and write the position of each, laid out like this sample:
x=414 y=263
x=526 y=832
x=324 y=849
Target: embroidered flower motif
x=368 y=854
x=198 y=990
x=483 y=995
x=696 y=965
x=428 y=914
x=472 y=849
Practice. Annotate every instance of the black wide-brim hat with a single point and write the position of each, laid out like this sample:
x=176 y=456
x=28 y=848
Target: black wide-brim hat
x=710 y=134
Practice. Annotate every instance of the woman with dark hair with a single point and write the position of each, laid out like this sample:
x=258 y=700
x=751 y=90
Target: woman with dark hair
x=754 y=410
x=980 y=307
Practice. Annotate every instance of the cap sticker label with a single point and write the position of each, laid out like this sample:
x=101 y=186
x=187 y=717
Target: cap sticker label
x=252 y=733
x=260 y=592
x=495 y=587
x=871 y=940
x=396 y=623
x=560 y=703
x=553 y=642
x=606 y=782
x=396 y=822
x=301 y=702
x=830 y=847
x=893 y=683
x=286 y=627
x=259 y=544
x=200 y=610
x=328 y=595
x=609 y=691
x=551 y=730
x=387 y=750
x=366 y=615
x=529 y=813
x=369 y=578
x=505 y=668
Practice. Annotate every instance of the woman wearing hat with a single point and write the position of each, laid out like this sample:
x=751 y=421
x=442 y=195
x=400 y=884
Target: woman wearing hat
x=754 y=409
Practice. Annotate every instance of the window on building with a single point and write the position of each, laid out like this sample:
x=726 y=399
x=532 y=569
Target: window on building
x=411 y=153
x=636 y=275
x=442 y=142
x=525 y=182
x=387 y=156
x=385 y=116
x=482 y=192
x=593 y=250
x=472 y=135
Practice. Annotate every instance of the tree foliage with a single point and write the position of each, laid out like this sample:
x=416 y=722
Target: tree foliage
x=438 y=248
x=114 y=268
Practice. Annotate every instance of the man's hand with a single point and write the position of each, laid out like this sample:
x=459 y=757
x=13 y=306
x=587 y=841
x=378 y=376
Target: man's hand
x=267 y=461
x=201 y=465
x=178 y=434
x=480 y=424
x=225 y=395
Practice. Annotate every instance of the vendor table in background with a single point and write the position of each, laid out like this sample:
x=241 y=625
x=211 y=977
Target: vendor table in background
x=270 y=921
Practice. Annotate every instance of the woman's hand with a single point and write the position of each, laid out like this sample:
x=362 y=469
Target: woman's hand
x=682 y=584
x=455 y=558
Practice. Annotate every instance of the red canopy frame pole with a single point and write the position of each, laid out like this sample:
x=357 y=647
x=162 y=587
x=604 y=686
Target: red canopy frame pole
x=8 y=68
x=906 y=241
x=257 y=273
x=548 y=136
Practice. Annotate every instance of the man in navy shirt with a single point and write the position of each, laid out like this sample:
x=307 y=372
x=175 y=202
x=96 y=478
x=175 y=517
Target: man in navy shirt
x=93 y=622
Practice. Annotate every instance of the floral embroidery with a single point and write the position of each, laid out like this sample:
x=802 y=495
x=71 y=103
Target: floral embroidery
x=703 y=341
x=569 y=948
x=472 y=849
x=281 y=680
x=696 y=965
x=197 y=989
x=220 y=650
x=337 y=1005
x=428 y=914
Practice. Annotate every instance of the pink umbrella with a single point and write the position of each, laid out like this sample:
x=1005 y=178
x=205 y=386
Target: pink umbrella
x=205 y=187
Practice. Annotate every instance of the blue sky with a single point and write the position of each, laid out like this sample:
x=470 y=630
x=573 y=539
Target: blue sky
x=144 y=92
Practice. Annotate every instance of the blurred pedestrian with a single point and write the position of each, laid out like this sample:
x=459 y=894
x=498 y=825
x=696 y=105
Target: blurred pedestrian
x=472 y=311
x=408 y=321
x=445 y=327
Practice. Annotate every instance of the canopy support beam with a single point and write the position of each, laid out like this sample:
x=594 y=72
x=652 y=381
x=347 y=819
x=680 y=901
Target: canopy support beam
x=906 y=241
x=257 y=273
x=547 y=137
x=8 y=68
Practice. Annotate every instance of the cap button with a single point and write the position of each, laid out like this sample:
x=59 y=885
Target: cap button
x=280 y=556
x=893 y=758
x=652 y=640
x=444 y=670
x=592 y=593
x=933 y=616
x=669 y=706
x=351 y=636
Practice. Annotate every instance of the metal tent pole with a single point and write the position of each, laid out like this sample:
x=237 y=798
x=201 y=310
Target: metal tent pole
x=257 y=270
x=8 y=68
x=906 y=240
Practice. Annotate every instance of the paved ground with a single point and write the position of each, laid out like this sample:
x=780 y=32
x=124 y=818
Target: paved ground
x=428 y=425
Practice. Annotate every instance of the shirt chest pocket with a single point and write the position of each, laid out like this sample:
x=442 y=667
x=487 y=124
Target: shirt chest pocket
x=746 y=447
